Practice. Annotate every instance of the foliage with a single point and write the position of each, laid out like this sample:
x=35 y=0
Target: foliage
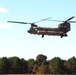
x=71 y=65
x=56 y=65
x=24 y=66
x=43 y=68
x=31 y=64
x=40 y=58
x=4 y=65
x=16 y=65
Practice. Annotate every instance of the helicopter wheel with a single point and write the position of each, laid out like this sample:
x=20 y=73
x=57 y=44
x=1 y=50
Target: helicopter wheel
x=64 y=35
x=61 y=36
x=42 y=36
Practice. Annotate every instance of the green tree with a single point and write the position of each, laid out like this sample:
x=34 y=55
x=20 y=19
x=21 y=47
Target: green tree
x=31 y=64
x=56 y=66
x=24 y=66
x=35 y=69
x=70 y=65
x=43 y=68
x=16 y=65
x=4 y=65
x=40 y=58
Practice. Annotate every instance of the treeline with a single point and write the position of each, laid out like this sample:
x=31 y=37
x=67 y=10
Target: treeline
x=15 y=65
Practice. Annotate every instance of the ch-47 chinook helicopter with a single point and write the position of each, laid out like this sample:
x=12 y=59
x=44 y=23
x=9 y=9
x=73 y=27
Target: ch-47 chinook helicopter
x=61 y=31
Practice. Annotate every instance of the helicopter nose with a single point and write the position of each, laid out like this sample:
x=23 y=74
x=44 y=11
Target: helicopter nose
x=29 y=31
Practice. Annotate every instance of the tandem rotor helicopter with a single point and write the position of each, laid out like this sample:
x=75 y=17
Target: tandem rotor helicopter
x=61 y=30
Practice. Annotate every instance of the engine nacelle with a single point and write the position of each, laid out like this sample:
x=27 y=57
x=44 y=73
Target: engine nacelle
x=64 y=27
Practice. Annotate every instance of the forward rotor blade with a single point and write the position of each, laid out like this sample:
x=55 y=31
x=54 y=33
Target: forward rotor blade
x=18 y=22
x=27 y=22
x=42 y=20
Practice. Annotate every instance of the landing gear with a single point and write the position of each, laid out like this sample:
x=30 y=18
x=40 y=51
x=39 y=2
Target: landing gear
x=64 y=35
x=61 y=36
x=42 y=36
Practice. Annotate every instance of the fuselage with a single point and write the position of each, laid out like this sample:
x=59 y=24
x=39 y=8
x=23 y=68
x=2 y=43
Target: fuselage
x=46 y=31
x=62 y=29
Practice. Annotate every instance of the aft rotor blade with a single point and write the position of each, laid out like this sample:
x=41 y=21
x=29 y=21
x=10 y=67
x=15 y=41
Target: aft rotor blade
x=69 y=18
x=19 y=22
x=72 y=21
x=56 y=20
x=64 y=21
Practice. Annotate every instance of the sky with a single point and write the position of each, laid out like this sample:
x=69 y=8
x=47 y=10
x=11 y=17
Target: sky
x=14 y=39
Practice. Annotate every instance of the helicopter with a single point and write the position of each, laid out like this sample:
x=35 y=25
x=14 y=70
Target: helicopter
x=61 y=30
